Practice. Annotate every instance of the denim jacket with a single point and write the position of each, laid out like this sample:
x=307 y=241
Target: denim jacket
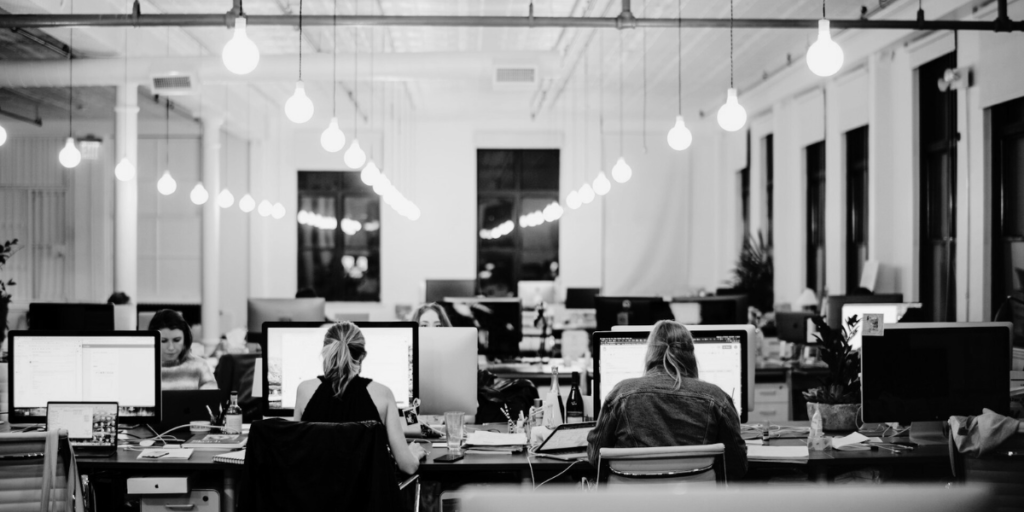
x=649 y=411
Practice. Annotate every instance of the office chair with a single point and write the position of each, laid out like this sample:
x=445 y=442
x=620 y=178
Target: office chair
x=665 y=464
x=1002 y=473
x=39 y=471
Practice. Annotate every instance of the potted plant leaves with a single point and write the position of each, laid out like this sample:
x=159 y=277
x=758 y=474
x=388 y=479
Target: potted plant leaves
x=838 y=397
x=6 y=250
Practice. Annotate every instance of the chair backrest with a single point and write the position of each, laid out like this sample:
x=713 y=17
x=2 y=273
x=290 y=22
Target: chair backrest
x=674 y=463
x=1002 y=472
x=38 y=471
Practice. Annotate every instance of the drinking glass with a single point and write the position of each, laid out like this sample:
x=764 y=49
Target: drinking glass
x=454 y=426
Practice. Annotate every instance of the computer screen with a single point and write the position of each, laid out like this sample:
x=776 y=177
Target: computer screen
x=192 y=313
x=116 y=366
x=532 y=293
x=45 y=316
x=721 y=360
x=292 y=355
x=500 y=322
x=284 y=310
x=891 y=313
x=612 y=311
x=581 y=298
x=438 y=289
x=834 y=305
x=931 y=371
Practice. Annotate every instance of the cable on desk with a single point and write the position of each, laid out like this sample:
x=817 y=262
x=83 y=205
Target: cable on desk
x=556 y=476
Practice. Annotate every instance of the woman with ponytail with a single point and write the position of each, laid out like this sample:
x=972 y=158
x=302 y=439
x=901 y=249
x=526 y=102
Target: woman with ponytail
x=669 y=405
x=342 y=396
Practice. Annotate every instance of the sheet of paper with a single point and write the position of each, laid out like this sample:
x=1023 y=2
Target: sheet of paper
x=777 y=452
x=853 y=438
x=171 y=453
x=483 y=438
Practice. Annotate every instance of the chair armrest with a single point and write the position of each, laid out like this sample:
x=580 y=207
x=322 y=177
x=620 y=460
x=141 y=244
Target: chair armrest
x=662 y=452
x=405 y=483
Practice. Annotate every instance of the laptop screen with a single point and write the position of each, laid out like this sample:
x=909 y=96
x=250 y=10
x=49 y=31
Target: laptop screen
x=87 y=423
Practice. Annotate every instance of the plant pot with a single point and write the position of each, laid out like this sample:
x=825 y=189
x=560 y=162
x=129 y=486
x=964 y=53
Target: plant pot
x=841 y=417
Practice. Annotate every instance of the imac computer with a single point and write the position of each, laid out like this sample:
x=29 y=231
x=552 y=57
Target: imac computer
x=719 y=309
x=46 y=316
x=500 y=322
x=725 y=358
x=581 y=298
x=448 y=370
x=438 y=289
x=533 y=293
x=283 y=310
x=921 y=374
x=292 y=355
x=834 y=305
x=612 y=311
x=113 y=366
x=891 y=313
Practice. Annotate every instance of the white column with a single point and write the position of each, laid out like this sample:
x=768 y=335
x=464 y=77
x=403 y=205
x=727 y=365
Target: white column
x=126 y=194
x=211 y=231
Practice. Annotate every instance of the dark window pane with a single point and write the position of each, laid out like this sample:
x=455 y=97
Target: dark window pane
x=540 y=170
x=496 y=169
x=496 y=273
x=498 y=223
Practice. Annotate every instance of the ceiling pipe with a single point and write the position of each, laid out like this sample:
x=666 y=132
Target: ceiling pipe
x=624 y=20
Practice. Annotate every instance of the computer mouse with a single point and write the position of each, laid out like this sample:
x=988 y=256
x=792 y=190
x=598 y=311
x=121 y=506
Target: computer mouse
x=146 y=442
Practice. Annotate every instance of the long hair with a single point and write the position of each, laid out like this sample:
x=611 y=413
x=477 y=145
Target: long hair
x=670 y=346
x=436 y=308
x=170 y=319
x=344 y=348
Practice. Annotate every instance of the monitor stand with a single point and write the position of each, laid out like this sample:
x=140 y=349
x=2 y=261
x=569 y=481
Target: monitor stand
x=927 y=432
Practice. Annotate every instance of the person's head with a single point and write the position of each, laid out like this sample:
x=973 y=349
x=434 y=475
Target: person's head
x=343 y=354
x=175 y=335
x=306 y=293
x=670 y=347
x=119 y=299
x=431 y=315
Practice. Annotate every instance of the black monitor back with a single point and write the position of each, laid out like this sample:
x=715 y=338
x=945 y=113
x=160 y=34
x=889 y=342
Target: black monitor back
x=501 y=319
x=191 y=312
x=581 y=298
x=438 y=289
x=612 y=311
x=70 y=317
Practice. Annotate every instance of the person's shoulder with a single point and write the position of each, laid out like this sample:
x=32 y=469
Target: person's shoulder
x=377 y=389
x=309 y=386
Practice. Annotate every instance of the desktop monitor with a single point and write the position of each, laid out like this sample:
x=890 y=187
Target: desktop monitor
x=448 y=370
x=928 y=372
x=284 y=310
x=438 y=289
x=891 y=313
x=719 y=309
x=112 y=366
x=45 y=316
x=292 y=355
x=500 y=322
x=581 y=298
x=192 y=313
x=533 y=293
x=612 y=311
x=834 y=305
x=725 y=358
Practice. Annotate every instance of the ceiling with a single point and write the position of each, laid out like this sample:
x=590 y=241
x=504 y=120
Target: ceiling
x=704 y=57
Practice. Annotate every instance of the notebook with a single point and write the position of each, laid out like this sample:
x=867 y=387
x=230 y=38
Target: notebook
x=208 y=441
x=790 y=454
x=567 y=442
x=231 y=458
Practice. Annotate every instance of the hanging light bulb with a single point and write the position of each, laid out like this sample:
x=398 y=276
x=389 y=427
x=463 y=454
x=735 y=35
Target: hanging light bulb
x=621 y=171
x=278 y=211
x=587 y=193
x=414 y=213
x=332 y=139
x=824 y=57
x=240 y=54
x=370 y=174
x=199 y=195
x=355 y=157
x=225 y=199
x=247 y=203
x=124 y=170
x=299 y=108
x=70 y=156
x=573 y=200
x=3 y=135
x=601 y=185
x=166 y=185
x=732 y=116
x=679 y=137
x=382 y=186
x=265 y=208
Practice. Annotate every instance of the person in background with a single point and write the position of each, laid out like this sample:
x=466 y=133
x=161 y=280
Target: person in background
x=669 y=406
x=180 y=369
x=119 y=299
x=340 y=395
x=431 y=315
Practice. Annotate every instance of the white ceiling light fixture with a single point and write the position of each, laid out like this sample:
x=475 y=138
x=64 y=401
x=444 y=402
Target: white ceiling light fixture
x=825 y=56
x=3 y=135
x=573 y=200
x=333 y=139
x=602 y=185
x=299 y=108
x=731 y=116
x=166 y=185
x=70 y=156
x=355 y=157
x=587 y=192
x=247 y=203
x=679 y=137
x=225 y=199
x=265 y=208
x=124 y=170
x=199 y=195
x=278 y=211
x=621 y=171
x=240 y=54
x=369 y=174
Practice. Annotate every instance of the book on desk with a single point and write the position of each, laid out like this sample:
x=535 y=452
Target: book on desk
x=209 y=441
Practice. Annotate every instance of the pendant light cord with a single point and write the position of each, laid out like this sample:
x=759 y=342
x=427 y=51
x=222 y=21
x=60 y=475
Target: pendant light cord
x=127 y=7
x=355 y=85
x=334 y=64
x=644 y=41
x=586 y=112
x=679 y=36
x=167 y=134
x=731 y=86
x=622 y=127
x=300 y=40
x=823 y=10
x=373 y=93
x=71 y=75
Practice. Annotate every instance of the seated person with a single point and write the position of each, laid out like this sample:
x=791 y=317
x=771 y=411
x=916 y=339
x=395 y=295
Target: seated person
x=342 y=396
x=431 y=315
x=180 y=369
x=669 y=406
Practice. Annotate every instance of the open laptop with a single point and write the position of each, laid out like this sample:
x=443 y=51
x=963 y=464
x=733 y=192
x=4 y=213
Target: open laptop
x=567 y=442
x=185 y=406
x=91 y=426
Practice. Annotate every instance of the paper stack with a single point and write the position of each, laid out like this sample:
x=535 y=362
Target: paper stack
x=787 y=454
x=495 y=442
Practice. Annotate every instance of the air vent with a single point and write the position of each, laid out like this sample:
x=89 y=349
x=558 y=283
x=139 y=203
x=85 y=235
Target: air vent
x=514 y=78
x=173 y=84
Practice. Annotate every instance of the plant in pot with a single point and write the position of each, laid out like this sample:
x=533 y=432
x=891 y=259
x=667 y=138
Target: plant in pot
x=838 y=397
x=755 y=273
x=6 y=250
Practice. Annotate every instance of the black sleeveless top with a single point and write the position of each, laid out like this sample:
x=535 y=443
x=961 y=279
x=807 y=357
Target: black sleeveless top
x=354 y=405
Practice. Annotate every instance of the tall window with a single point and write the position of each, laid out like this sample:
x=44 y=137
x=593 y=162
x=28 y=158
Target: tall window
x=856 y=205
x=938 y=192
x=815 y=154
x=339 y=236
x=767 y=144
x=1007 y=201
x=744 y=180
x=512 y=244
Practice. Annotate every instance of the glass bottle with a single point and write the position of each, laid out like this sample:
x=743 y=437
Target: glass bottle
x=233 y=416
x=574 y=404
